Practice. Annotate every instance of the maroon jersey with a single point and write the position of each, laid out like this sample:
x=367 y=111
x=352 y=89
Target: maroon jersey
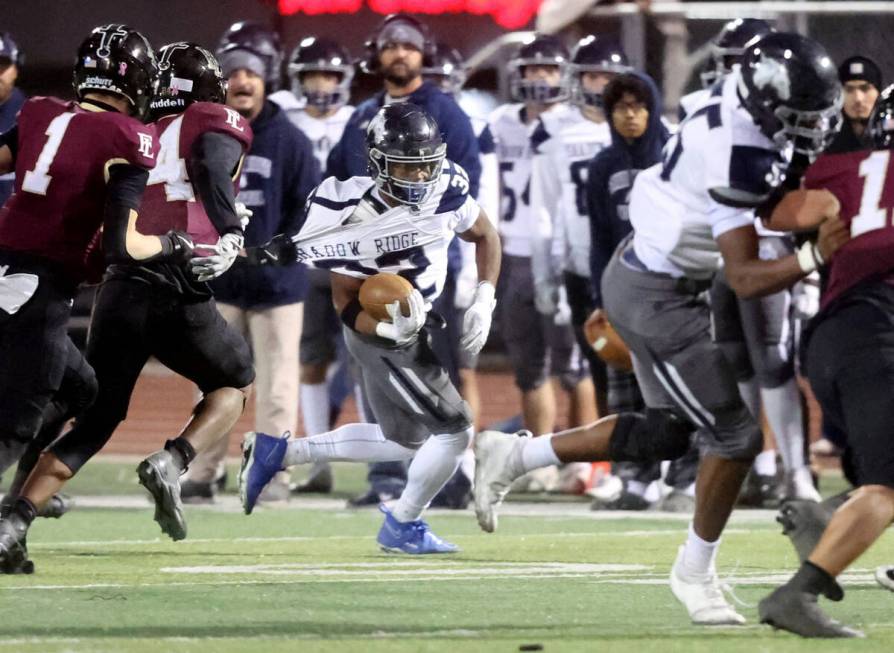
x=170 y=200
x=64 y=151
x=863 y=182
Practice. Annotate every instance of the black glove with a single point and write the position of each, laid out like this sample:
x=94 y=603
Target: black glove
x=279 y=250
x=176 y=247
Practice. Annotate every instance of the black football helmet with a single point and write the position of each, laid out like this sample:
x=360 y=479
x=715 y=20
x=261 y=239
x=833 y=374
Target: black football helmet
x=403 y=138
x=187 y=73
x=321 y=54
x=117 y=59
x=880 y=130
x=593 y=54
x=789 y=85
x=261 y=42
x=10 y=51
x=446 y=69
x=728 y=46
x=540 y=50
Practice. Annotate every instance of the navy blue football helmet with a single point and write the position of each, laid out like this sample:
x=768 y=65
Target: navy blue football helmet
x=119 y=60
x=540 y=50
x=446 y=68
x=315 y=54
x=880 y=130
x=789 y=85
x=10 y=53
x=261 y=42
x=593 y=54
x=405 y=153
x=187 y=73
x=728 y=47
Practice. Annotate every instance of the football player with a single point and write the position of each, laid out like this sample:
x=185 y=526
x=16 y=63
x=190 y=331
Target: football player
x=723 y=162
x=757 y=334
x=321 y=71
x=166 y=310
x=81 y=168
x=538 y=347
x=848 y=348
x=11 y=98
x=400 y=219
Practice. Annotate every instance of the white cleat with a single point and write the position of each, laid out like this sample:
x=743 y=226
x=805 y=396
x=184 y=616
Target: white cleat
x=497 y=463
x=702 y=596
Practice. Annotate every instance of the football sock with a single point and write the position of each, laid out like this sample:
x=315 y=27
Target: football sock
x=698 y=555
x=353 y=442
x=25 y=510
x=811 y=578
x=785 y=415
x=182 y=452
x=434 y=464
x=765 y=463
x=538 y=452
x=315 y=407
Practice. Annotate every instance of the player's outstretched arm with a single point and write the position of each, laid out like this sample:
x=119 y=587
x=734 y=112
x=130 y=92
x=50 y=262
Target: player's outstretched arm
x=488 y=251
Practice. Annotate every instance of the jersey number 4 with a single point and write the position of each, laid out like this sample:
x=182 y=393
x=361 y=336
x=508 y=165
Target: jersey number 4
x=170 y=169
x=38 y=180
x=872 y=216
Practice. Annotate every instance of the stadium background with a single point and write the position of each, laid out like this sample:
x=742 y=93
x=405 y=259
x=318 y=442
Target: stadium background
x=666 y=39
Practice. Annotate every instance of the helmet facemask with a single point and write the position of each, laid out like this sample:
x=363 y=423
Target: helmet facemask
x=537 y=90
x=322 y=100
x=394 y=174
x=584 y=97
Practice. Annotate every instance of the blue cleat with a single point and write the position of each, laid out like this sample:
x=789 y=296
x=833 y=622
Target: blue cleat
x=262 y=458
x=413 y=537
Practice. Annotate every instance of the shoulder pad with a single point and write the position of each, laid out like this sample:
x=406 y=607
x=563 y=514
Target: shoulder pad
x=135 y=142
x=456 y=187
x=209 y=116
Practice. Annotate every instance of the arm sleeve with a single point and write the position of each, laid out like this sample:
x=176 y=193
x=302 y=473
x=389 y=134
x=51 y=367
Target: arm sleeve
x=123 y=194
x=304 y=177
x=10 y=138
x=214 y=158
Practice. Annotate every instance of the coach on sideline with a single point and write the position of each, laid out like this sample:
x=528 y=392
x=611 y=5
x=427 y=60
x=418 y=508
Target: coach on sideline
x=398 y=50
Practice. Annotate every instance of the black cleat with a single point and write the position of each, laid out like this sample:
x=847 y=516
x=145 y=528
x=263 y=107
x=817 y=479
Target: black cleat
x=197 y=492
x=13 y=549
x=798 y=612
x=803 y=522
x=760 y=491
x=370 y=499
x=58 y=505
x=160 y=477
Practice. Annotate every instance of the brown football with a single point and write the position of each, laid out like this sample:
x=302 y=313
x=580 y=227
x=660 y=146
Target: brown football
x=607 y=343
x=382 y=289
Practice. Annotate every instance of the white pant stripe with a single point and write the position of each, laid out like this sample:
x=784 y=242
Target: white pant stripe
x=403 y=393
x=688 y=397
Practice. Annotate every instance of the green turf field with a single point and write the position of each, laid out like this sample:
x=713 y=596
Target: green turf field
x=309 y=578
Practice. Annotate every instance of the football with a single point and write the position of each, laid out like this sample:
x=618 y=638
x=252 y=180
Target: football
x=382 y=289
x=607 y=343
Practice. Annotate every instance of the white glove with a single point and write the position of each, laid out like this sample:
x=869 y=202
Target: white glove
x=403 y=329
x=546 y=297
x=206 y=268
x=562 y=316
x=476 y=322
x=806 y=297
x=244 y=214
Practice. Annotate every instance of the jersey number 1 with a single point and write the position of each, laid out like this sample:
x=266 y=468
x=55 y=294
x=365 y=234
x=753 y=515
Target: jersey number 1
x=874 y=171
x=38 y=180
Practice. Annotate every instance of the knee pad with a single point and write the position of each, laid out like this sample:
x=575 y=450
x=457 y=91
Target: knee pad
x=776 y=366
x=650 y=437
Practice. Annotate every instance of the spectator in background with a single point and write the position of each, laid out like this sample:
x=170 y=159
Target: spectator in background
x=263 y=302
x=11 y=98
x=398 y=51
x=862 y=81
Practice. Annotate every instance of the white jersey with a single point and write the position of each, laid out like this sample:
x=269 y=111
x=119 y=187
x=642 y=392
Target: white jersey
x=349 y=229
x=564 y=143
x=715 y=170
x=512 y=144
x=323 y=133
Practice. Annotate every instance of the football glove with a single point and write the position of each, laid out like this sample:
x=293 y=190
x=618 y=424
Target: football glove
x=402 y=329
x=279 y=250
x=206 y=268
x=244 y=214
x=176 y=246
x=476 y=321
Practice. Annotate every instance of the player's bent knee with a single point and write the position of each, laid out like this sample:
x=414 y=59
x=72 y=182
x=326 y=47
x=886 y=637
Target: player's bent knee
x=735 y=435
x=653 y=436
x=775 y=369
